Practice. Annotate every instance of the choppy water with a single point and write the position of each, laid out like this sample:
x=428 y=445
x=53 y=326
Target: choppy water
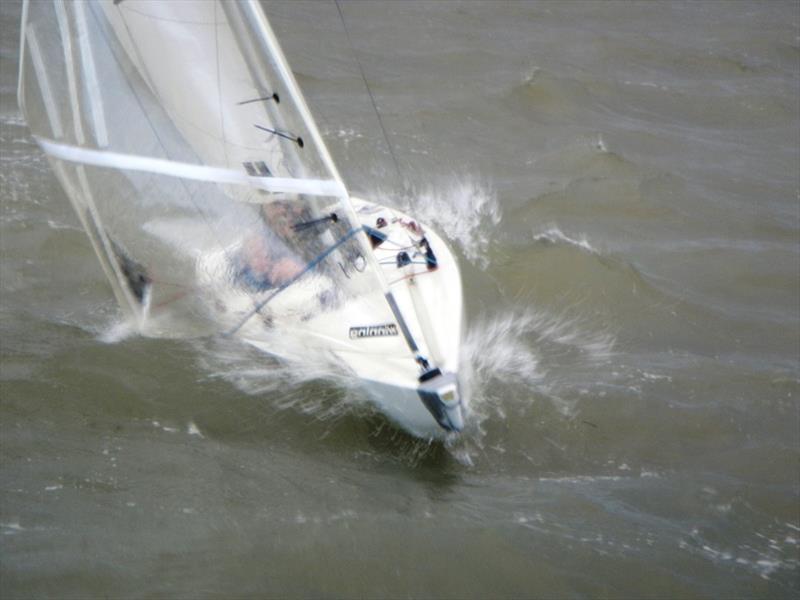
x=621 y=184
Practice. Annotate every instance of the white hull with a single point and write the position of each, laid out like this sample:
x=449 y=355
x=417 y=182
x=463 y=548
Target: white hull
x=400 y=404
x=433 y=297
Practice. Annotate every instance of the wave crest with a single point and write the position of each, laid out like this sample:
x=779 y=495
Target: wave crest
x=554 y=235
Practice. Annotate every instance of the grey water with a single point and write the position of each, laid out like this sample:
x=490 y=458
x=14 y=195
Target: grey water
x=620 y=184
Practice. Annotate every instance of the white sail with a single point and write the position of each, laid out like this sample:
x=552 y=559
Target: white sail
x=179 y=134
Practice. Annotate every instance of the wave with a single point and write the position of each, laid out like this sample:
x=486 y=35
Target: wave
x=14 y=119
x=554 y=235
x=771 y=551
x=502 y=371
x=287 y=380
x=546 y=96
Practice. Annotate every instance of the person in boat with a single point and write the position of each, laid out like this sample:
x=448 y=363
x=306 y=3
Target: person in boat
x=266 y=259
x=265 y=262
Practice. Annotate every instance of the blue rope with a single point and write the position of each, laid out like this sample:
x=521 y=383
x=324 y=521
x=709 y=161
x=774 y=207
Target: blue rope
x=307 y=268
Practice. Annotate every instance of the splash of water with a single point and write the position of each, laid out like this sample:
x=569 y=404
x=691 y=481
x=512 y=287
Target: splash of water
x=464 y=209
x=503 y=352
x=254 y=372
x=494 y=348
x=118 y=331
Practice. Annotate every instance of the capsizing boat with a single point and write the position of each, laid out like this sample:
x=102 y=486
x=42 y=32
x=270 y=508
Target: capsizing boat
x=183 y=141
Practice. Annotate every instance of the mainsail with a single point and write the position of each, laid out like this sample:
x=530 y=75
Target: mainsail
x=183 y=142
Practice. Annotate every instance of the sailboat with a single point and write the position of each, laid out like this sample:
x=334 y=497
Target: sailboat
x=183 y=141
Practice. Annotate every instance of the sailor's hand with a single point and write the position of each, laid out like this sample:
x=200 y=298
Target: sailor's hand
x=284 y=269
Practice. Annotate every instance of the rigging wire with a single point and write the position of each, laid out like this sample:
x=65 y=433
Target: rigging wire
x=371 y=97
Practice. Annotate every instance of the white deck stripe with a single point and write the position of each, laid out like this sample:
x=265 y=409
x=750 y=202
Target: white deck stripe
x=130 y=162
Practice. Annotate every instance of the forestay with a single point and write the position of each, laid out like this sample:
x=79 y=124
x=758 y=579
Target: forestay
x=187 y=150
